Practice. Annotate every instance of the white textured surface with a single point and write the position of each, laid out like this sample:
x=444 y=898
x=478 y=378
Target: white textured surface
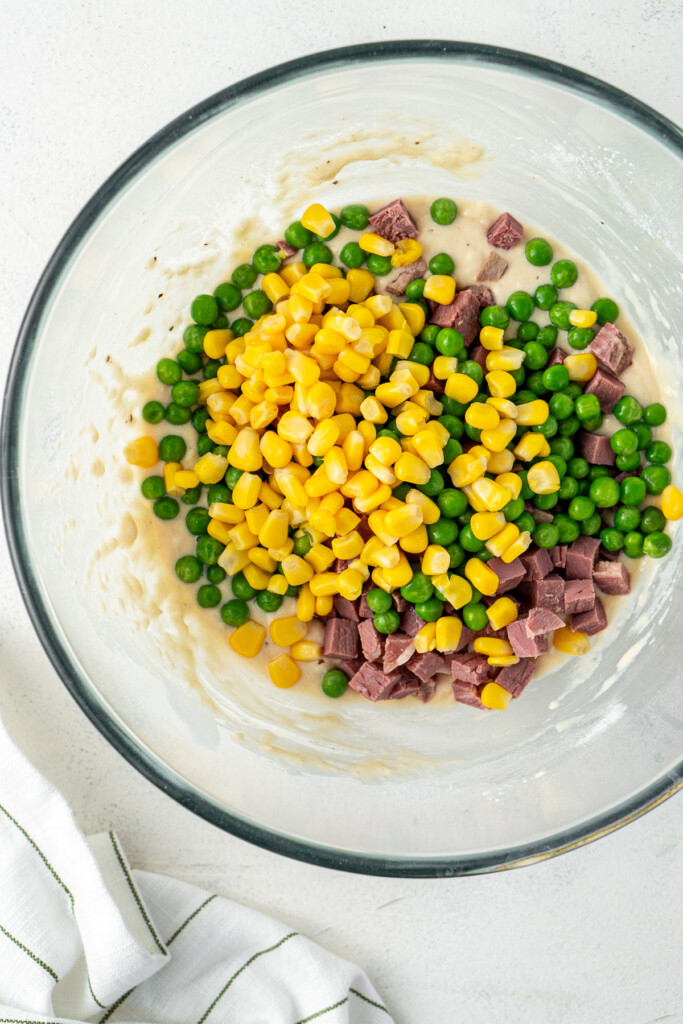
x=588 y=937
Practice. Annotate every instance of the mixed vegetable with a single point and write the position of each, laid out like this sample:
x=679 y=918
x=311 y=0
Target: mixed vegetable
x=397 y=466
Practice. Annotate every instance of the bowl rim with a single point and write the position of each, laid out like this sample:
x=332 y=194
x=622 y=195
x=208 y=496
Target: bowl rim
x=133 y=750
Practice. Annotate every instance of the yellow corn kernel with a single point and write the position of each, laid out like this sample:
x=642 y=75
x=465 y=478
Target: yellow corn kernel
x=404 y=520
x=411 y=421
x=374 y=500
x=280 y=395
x=323 y=438
x=416 y=542
x=353 y=362
x=403 y=374
x=429 y=509
x=324 y=584
x=512 y=481
x=348 y=400
x=277 y=584
x=491 y=646
x=407 y=251
x=448 y=631
x=425 y=639
x=533 y=414
x=247 y=639
x=501 y=462
x=461 y=388
x=491 y=338
x=319 y=484
x=494 y=496
x=377 y=521
x=346 y=521
x=379 y=581
x=312 y=286
x=505 y=359
x=235 y=348
x=502 y=660
x=221 y=433
x=440 y=288
x=274 y=287
x=318 y=220
x=582 y=317
x=324 y=605
x=211 y=468
x=393 y=393
x=240 y=410
x=292 y=272
x=215 y=342
x=371 y=550
x=185 y=478
x=269 y=496
x=672 y=503
x=361 y=485
x=571 y=642
x=255 y=518
x=370 y=242
x=262 y=414
x=412 y=469
x=444 y=366
x=529 y=446
x=143 y=452
x=351 y=584
x=400 y=343
x=306 y=650
x=501 y=384
x=398 y=575
x=226 y=513
x=383 y=473
x=581 y=366
x=305 y=604
x=373 y=411
x=294 y=427
x=296 y=571
x=339 y=291
x=543 y=478
x=414 y=316
x=502 y=612
x=246 y=491
x=476 y=504
x=517 y=548
x=264 y=561
x=207 y=388
x=302 y=456
x=353 y=448
x=370 y=379
x=482 y=416
x=497 y=440
x=455 y=589
x=394 y=320
x=320 y=557
x=229 y=378
x=300 y=335
x=276 y=451
x=335 y=465
x=322 y=400
x=465 y=469
x=275 y=529
x=362 y=282
x=283 y=671
x=428 y=447
x=287 y=630
x=219 y=531
x=503 y=406
x=300 y=309
x=350 y=546
x=487 y=524
x=481 y=576
x=256 y=577
x=435 y=560
x=386 y=450
x=495 y=697
x=245 y=452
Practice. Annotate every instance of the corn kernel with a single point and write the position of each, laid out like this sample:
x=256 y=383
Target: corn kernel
x=323 y=438
x=143 y=452
x=672 y=502
x=518 y=548
x=487 y=524
x=318 y=220
x=400 y=343
x=362 y=282
x=498 y=439
x=211 y=468
x=454 y=589
x=296 y=571
x=428 y=447
x=498 y=544
x=501 y=462
x=226 y=513
x=283 y=671
x=263 y=560
x=373 y=411
x=461 y=388
x=404 y=520
x=277 y=585
x=481 y=576
x=324 y=584
x=570 y=641
x=398 y=575
x=306 y=650
x=425 y=639
x=482 y=416
x=533 y=414
x=287 y=630
x=351 y=584
x=503 y=660
x=247 y=639
x=430 y=510
x=581 y=366
x=491 y=646
x=444 y=366
x=374 y=500
x=412 y=469
x=255 y=518
x=414 y=316
x=440 y=288
x=543 y=478
x=305 y=605
x=370 y=242
x=275 y=529
x=491 y=338
x=407 y=251
x=529 y=446
x=582 y=317
x=435 y=560
x=221 y=433
x=276 y=451
x=386 y=450
x=501 y=384
x=215 y=342
x=416 y=542
x=502 y=612
x=410 y=421
x=505 y=359
x=448 y=632
x=495 y=697
x=245 y=452
x=246 y=491
x=219 y=531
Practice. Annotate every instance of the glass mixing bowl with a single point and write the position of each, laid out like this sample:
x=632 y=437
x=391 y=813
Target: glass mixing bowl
x=452 y=792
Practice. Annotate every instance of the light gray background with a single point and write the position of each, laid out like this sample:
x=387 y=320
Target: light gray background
x=591 y=936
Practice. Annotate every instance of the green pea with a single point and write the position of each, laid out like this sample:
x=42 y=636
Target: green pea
x=519 y=376
x=456 y=555
x=624 y=441
x=193 y=336
x=232 y=476
x=302 y=545
x=534 y=383
x=212 y=366
x=235 y=612
x=595 y=471
x=546 y=535
x=607 y=310
x=612 y=539
x=523 y=396
x=352 y=255
x=545 y=501
x=520 y=305
x=153 y=487
x=166 y=508
x=257 y=304
x=204 y=310
x=514 y=509
x=559 y=463
x=443 y=211
x=469 y=542
x=561 y=405
x=556 y=377
x=592 y=525
x=297 y=235
x=569 y=488
x=535 y=356
x=268 y=602
x=434 y=485
x=172 y=448
x=593 y=422
x=244 y=275
x=572 y=390
x=441 y=263
x=317 y=252
x=579 y=337
x=185 y=393
x=545 y=296
x=219 y=492
x=169 y=372
x=450 y=342
x=355 y=216
x=654 y=414
x=625 y=463
x=415 y=290
x=657 y=544
x=658 y=452
x=419 y=588
x=267 y=259
x=429 y=333
x=453 y=425
x=525 y=523
x=633 y=544
x=632 y=491
x=587 y=406
x=578 y=468
x=209 y=550
x=628 y=410
x=525 y=491
x=378 y=600
x=471 y=369
x=192 y=495
x=653 y=519
x=644 y=435
x=292 y=591
x=495 y=316
x=228 y=296
x=334 y=683
x=401 y=491
x=604 y=492
x=153 y=412
x=627 y=518
x=208 y=596
x=548 y=429
x=567 y=527
x=443 y=532
x=474 y=616
x=528 y=331
x=241 y=588
x=215 y=574
x=197 y=521
x=564 y=274
x=473 y=433
x=190 y=362
x=378 y=265
x=581 y=508
x=175 y=414
x=559 y=314
x=387 y=622
x=430 y=610
x=204 y=445
x=452 y=502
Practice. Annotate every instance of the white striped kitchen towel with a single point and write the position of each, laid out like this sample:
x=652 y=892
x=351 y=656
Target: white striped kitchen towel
x=83 y=937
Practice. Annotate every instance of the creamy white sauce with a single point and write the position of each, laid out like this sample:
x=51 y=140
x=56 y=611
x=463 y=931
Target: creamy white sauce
x=132 y=568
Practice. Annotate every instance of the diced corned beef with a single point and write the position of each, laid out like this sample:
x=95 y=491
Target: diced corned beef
x=462 y=314
x=542 y=620
x=365 y=531
x=546 y=593
x=406 y=686
x=467 y=693
x=509 y=573
x=285 y=248
x=523 y=645
x=434 y=384
x=558 y=556
x=466 y=636
x=489 y=631
x=620 y=477
x=505 y=233
x=394 y=222
x=397 y=284
x=470 y=668
x=411 y=623
x=591 y=622
x=400 y=603
x=538 y=514
x=371 y=642
x=493 y=267
x=483 y=295
x=398 y=649
x=612 y=577
x=514 y=678
x=341 y=639
x=426 y=666
x=364 y=609
x=607 y=556
x=426 y=691
x=340 y=564
x=557 y=355
x=612 y=349
x=537 y=564
x=478 y=354
x=372 y=683
x=349 y=668
x=581 y=556
x=595 y=448
x=346 y=609
x=579 y=596
x=607 y=388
